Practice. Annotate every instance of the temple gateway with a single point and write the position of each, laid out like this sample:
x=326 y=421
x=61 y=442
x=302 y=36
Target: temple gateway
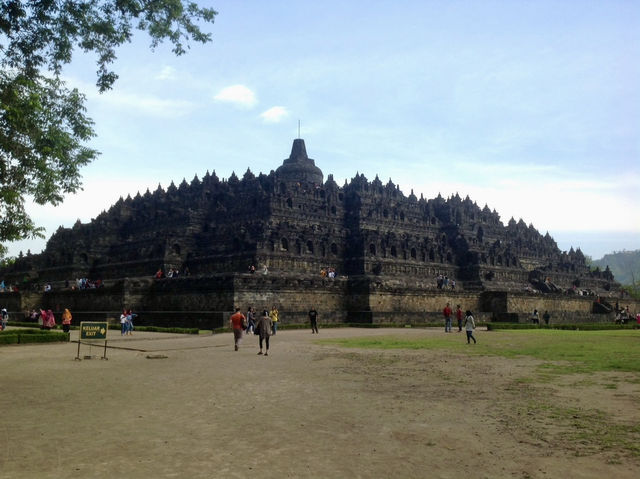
x=361 y=252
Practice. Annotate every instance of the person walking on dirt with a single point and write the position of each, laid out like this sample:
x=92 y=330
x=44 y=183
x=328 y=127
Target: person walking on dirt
x=66 y=320
x=251 y=320
x=546 y=316
x=459 y=317
x=447 y=318
x=5 y=318
x=123 y=322
x=236 y=321
x=274 y=319
x=313 y=318
x=264 y=328
x=50 y=321
x=469 y=326
x=130 y=316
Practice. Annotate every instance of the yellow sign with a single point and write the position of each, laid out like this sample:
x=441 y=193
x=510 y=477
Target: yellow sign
x=93 y=330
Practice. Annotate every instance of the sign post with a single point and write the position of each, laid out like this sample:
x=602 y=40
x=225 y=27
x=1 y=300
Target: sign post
x=93 y=330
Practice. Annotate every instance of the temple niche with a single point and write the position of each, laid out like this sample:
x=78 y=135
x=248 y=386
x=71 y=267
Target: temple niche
x=294 y=221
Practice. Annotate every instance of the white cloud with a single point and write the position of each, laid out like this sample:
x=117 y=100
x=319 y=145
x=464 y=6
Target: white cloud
x=274 y=115
x=238 y=95
x=167 y=73
x=150 y=105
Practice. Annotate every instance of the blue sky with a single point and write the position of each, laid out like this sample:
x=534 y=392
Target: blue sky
x=531 y=107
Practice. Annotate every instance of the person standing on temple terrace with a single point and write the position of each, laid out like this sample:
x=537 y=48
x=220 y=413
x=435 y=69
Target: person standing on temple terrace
x=236 y=322
x=447 y=318
x=5 y=318
x=274 y=319
x=459 y=317
x=264 y=329
x=66 y=320
x=546 y=316
x=469 y=326
x=313 y=318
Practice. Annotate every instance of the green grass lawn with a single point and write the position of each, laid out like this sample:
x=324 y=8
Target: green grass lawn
x=570 y=351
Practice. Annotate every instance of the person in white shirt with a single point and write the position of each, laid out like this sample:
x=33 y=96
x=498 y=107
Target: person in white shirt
x=469 y=326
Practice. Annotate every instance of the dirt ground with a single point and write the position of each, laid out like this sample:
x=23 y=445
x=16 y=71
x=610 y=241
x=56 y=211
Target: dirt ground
x=306 y=410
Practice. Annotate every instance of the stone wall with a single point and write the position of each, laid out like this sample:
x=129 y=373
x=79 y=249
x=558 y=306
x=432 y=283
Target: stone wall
x=207 y=302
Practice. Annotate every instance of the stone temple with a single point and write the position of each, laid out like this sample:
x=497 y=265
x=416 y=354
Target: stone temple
x=387 y=250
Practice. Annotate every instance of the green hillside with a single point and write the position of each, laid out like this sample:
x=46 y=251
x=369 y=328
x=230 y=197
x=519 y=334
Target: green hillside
x=625 y=265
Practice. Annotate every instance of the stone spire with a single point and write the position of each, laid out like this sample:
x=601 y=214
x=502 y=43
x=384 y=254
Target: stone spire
x=299 y=167
x=298 y=151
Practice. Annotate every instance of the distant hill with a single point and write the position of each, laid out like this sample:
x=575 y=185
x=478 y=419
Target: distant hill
x=625 y=265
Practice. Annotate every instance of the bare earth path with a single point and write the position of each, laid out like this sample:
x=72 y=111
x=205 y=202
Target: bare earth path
x=307 y=410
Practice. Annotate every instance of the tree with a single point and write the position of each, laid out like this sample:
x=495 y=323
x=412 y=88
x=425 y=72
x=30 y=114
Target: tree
x=43 y=124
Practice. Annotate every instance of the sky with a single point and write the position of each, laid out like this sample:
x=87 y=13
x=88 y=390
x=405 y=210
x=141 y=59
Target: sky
x=529 y=107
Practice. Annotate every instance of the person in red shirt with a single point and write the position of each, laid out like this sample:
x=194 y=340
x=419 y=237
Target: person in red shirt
x=237 y=323
x=447 y=318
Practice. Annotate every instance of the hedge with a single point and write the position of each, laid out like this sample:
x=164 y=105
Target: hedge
x=25 y=336
x=567 y=327
x=158 y=329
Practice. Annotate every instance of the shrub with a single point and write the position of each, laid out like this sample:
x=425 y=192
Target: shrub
x=158 y=329
x=25 y=336
x=566 y=327
x=45 y=337
x=8 y=338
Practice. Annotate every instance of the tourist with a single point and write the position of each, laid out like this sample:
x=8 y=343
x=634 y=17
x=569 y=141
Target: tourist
x=50 y=321
x=251 y=320
x=236 y=322
x=638 y=318
x=546 y=316
x=459 y=317
x=159 y=274
x=313 y=318
x=5 y=318
x=123 y=322
x=252 y=269
x=66 y=320
x=264 y=328
x=265 y=270
x=447 y=318
x=535 y=318
x=453 y=284
x=42 y=318
x=130 y=316
x=469 y=326
x=274 y=319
